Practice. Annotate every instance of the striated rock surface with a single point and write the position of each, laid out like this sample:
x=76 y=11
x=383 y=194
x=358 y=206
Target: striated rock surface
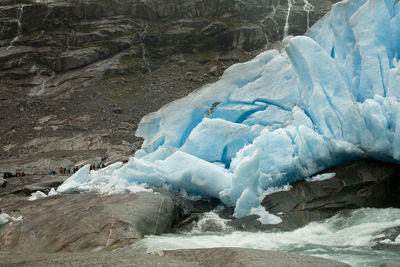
x=190 y=257
x=247 y=257
x=86 y=222
x=92 y=259
x=69 y=68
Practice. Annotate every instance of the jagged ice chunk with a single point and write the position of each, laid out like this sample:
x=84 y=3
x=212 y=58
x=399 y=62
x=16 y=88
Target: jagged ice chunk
x=330 y=96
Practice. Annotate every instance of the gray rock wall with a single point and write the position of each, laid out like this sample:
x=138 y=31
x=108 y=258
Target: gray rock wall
x=95 y=67
x=358 y=184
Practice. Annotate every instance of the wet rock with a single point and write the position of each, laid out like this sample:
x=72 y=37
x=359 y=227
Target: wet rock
x=387 y=240
x=358 y=184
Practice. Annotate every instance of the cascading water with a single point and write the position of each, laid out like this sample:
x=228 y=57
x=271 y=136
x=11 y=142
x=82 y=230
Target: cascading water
x=43 y=80
x=44 y=83
x=19 y=29
x=275 y=23
x=142 y=36
x=308 y=7
x=348 y=238
x=70 y=38
x=210 y=221
x=286 y=28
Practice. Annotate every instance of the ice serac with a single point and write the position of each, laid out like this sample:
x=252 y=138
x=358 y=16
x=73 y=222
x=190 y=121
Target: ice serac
x=328 y=97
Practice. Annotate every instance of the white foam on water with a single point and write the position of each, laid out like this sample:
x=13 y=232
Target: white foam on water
x=348 y=239
x=211 y=220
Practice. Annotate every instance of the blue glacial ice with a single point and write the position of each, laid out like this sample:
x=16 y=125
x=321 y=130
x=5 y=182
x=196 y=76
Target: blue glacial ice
x=328 y=97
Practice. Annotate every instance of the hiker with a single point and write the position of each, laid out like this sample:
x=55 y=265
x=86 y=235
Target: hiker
x=23 y=174
x=61 y=170
x=69 y=168
x=54 y=172
x=50 y=172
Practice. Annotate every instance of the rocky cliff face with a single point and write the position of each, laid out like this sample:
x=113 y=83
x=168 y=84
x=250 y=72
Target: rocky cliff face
x=77 y=76
x=357 y=184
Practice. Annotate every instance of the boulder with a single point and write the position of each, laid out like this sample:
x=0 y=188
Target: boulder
x=387 y=240
x=357 y=184
x=214 y=70
x=87 y=222
x=77 y=58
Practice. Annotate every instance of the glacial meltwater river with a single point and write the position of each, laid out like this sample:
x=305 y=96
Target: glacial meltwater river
x=347 y=239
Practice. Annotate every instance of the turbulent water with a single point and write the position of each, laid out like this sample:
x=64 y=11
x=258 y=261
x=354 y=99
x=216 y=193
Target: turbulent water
x=347 y=238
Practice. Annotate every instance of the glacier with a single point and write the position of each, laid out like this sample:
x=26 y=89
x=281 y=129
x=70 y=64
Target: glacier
x=328 y=97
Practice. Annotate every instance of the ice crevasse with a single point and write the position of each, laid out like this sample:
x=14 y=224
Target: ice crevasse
x=328 y=97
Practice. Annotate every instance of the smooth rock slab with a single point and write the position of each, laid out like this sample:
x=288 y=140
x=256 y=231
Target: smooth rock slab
x=232 y=257
x=248 y=257
x=87 y=222
x=91 y=259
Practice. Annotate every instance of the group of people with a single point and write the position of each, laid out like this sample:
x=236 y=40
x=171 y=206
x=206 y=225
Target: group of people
x=17 y=174
x=63 y=170
x=98 y=166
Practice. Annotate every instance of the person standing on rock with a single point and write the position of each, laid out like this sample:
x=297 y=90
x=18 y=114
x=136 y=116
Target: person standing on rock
x=61 y=170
